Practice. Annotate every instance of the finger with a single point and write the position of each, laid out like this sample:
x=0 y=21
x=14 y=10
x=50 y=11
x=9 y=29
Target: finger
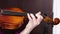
x=39 y=17
x=33 y=17
x=38 y=14
x=29 y=16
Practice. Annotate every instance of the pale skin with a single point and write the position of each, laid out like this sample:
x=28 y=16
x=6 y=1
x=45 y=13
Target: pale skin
x=33 y=22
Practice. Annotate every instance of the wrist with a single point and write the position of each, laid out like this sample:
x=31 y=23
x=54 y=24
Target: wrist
x=27 y=30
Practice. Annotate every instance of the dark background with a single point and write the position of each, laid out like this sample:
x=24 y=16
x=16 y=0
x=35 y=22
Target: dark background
x=44 y=6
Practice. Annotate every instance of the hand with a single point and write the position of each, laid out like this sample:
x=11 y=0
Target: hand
x=33 y=22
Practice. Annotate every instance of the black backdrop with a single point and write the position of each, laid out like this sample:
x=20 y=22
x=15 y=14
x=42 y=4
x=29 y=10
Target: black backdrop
x=30 y=5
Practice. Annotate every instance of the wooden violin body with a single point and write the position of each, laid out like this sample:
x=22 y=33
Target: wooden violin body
x=11 y=22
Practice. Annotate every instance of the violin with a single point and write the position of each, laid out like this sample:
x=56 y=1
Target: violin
x=11 y=22
x=20 y=13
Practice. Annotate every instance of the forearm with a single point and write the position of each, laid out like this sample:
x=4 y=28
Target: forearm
x=27 y=30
